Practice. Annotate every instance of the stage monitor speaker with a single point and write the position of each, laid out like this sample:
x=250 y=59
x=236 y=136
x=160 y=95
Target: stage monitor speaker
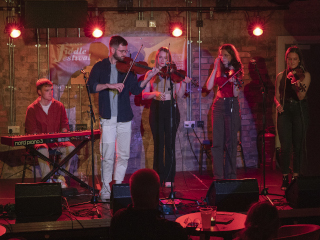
x=120 y=197
x=37 y=202
x=233 y=195
x=304 y=192
x=54 y=14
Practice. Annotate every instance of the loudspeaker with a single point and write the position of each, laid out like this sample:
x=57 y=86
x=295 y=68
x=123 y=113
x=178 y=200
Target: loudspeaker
x=38 y=202
x=120 y=197
x=54 y=14
x=233 y=195
x=304 y=192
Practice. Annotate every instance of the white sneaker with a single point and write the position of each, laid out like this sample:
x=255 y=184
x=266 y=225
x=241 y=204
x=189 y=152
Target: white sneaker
x=62 y=180
x=105 y=196
x=168 y=184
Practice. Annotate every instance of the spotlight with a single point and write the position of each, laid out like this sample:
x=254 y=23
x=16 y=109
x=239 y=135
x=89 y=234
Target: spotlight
x=95 y=27
x=176 y=29
x=256 y=27
x=97 y=33
x=13 y=29
x=257 y=31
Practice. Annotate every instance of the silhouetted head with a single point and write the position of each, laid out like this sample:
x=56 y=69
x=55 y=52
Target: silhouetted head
x=262 y=222
x=144 y=187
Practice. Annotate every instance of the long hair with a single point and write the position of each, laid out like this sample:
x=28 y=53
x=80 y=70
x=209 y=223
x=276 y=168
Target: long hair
x=235 y=58
x=295 y=49
x=262 y=222
x=166 y=50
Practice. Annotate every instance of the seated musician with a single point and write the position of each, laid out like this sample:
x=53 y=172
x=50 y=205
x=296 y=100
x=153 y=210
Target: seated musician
x=47 y=115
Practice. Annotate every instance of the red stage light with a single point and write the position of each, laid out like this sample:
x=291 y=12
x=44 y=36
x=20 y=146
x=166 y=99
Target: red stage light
x=177 y=32
x=95 y=28
x=15 y=33
x=257 y=31
x=256 y=28
x=176 y=29
x=13 y=29
x=97 y=33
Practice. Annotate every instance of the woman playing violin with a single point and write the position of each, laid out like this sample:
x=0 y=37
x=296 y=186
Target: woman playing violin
x=290 y=98
x=225 y=111
x=164 y=137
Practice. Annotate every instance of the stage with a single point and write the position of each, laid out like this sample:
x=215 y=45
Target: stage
x=81 y=222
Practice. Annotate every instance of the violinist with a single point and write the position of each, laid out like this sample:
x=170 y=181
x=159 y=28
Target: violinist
x=115 y=112
x=290 y=98
x=164 y=137
x=225 y=111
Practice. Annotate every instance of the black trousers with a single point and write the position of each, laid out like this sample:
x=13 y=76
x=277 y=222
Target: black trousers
x=292 y=127
x=226 y=123
x=164 y=138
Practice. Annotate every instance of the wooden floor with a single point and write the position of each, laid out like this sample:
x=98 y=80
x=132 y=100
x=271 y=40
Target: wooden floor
x=82 y=222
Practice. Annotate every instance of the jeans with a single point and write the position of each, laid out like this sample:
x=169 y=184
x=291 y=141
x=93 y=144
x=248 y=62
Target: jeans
x=225 y=126
x=115 y=136
x=292 y=128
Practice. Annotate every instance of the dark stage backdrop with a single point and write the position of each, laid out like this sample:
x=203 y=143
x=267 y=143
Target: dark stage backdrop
x=311 y=57
x=311 y=54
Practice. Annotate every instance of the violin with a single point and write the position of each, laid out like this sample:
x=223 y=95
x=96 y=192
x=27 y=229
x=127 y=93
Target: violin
x=230 y=73
x=296 y=74
x=136 y=67
x=175 y=75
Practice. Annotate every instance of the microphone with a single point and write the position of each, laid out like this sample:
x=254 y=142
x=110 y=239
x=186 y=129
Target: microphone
x=84 y=73
x=169 y=63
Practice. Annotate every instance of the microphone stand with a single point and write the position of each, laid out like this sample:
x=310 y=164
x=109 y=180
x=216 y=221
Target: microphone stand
x=94 y=198
x=173 y=105
x=264 y=91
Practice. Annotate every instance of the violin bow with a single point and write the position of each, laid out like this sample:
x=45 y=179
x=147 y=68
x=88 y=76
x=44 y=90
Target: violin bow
x=229 y=79
x=132 y=64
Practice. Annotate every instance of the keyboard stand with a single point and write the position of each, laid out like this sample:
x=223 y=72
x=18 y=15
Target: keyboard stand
x=59 y=166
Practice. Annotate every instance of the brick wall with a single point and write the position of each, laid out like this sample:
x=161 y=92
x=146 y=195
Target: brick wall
x=301 y=19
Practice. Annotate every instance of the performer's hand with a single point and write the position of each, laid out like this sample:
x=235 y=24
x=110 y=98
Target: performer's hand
x=153 y=72
x=187 y=80
x=297 y=83
x=233 y=80
x=291 y=77
x=280 y=108
x=118 y=86
x=217 y=62
x=161 y=96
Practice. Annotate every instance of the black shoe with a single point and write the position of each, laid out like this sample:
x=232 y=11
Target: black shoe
x=285 y=182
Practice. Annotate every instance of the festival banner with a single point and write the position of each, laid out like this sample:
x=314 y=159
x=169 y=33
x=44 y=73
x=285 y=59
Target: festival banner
x=69 y=55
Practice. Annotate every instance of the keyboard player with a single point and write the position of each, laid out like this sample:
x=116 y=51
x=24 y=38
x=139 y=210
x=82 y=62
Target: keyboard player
x=47 y=115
